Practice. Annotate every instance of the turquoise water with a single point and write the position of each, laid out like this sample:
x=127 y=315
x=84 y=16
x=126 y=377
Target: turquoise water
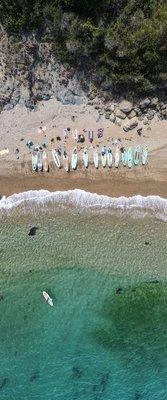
x=105 y=337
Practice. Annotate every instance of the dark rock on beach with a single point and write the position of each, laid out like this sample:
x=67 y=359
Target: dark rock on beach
x=130 y=125
x=32 y=231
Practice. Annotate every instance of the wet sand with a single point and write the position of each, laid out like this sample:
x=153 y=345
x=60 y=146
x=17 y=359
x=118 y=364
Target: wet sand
x=143 y=180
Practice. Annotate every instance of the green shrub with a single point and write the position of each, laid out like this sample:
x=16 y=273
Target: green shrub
x=126 y=39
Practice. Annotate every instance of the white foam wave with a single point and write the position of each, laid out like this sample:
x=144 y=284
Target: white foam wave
x=82 y=199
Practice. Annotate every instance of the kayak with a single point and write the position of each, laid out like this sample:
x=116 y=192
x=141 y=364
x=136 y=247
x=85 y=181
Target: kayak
x=56 y=158
x=109 y=157
x=47 y=298
x=45 y=162
x=34 y=161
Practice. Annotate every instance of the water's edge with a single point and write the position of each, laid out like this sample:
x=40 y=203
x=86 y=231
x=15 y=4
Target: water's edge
x=82 y=200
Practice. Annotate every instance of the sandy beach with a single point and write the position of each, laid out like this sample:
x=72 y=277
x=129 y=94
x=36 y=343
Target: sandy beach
x=20 y=125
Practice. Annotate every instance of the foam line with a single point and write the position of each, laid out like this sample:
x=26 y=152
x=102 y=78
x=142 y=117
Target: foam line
x=82 y=199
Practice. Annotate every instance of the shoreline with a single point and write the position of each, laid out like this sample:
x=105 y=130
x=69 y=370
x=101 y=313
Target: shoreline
x=113 y=184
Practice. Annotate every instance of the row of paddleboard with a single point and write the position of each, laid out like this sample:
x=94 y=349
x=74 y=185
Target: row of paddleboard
x=106 y=157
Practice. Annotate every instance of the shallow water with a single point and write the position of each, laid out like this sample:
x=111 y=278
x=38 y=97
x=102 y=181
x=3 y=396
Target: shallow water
x=105 y=337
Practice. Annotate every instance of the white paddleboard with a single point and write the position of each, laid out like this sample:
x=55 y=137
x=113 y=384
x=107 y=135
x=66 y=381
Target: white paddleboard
x=40 y=163
x=117 y=156
x=56 y=158
x=66 y=163
x=34 y=161
x=74 y=159
x=47 y=298
x=45 y=162
x=145 y=156
x=109 y=157
x=96 y=159
x=85 y=158
x=103 y=158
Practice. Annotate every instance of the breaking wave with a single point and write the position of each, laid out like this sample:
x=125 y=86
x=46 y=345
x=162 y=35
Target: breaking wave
x=80 y=199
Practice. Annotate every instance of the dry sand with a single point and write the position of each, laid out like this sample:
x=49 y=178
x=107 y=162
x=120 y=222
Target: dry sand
x=19 y=125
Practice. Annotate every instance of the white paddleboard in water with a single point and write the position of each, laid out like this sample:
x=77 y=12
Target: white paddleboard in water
x=47 y=298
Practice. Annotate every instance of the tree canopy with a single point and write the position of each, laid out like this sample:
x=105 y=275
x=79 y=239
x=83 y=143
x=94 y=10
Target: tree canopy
x=122 y=42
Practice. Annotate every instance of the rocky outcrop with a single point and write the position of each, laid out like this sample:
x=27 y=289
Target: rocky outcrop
x=30 y=72
x=128 y=115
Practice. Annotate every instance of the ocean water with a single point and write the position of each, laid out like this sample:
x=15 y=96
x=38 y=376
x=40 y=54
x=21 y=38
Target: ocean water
x=106 y=269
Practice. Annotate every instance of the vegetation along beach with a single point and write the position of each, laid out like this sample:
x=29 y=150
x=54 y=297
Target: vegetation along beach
x=83 y=200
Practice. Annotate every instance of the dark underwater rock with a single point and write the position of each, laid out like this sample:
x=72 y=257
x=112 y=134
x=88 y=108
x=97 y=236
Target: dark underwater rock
x=100 y=388
x=137 y=395
x=103 y=382
x=32 y=231
x=154 y=281
x=76 y=372
x=34 y=376
x=118 y=290
x=3 y=383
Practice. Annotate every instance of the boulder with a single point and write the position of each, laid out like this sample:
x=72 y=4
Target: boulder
x=118 y=121
x=164 y=112
x=91 y=96
x=145 y=103
x=120 y=114
x=107 y=115
x=107 y=108
x=112 y=117
x=141 y=117
x=132 y=114
x=150 y=114
x=154 y=102
x=112 y=107
x=138 y=111
x=145 y=121
x=126 y=106
x=130 y=125
x=162 y=106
